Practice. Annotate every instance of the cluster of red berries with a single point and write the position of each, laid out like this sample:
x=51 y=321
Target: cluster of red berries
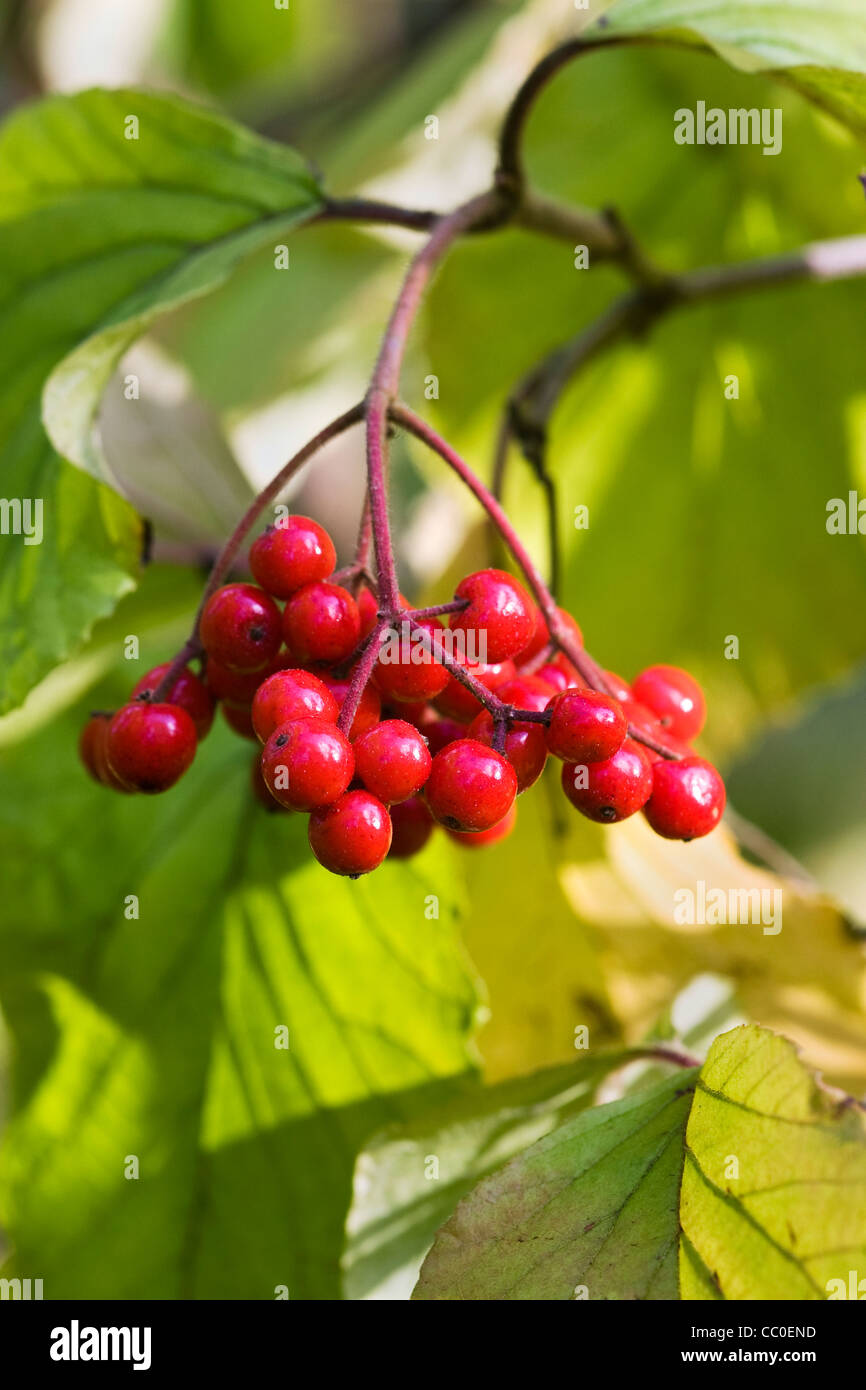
x=421 y=747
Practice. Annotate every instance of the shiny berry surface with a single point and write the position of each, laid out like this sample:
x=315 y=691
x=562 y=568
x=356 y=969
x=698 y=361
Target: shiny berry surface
x=525 y=746
x=239 y=719
x=500 y=616
x=457 y=702
x=295 y=552
x=612 y=790
x=259 y=788
x=186 y=690
x=291 y=694
x=406 y=670
x=392 y=760
x=526 y=692
x=307 y=763
x=470 y=786
x=688 y=798
x=239 y=687
x=351 y=837
x=675 y=698
x=369 y=709
x=411 y=827
x=585 y=726
x=481 y=839
x=321 y=623
x=440 y=732
x=93 y=753
x=241 y=627
x=149 y=747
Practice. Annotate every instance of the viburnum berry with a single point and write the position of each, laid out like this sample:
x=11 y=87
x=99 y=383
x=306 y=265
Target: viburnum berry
x=525 y=746
x=585 y=726
x=458 y=702
x=291 y=694
x=554 y=676
x=392 y=760
x=526 y=692
x=411 y=827
x=406 y=670
x=500 y=612
x=541 y=636
x=611 y=790
x=185 y=690
x=620 y=689
x=440 y=732
x=480 y=839
x=352 y=836
x=149 y=747
x=369 y=709
x=674 y=697
x=307 y=763
x=237 y=687
x=239 y=719
x=368 y=610
x=259 y=787
x=93 y=754
x=470 y=787
x=321 y=623
x=241 y=627
x=295 y=552
x=688 y=798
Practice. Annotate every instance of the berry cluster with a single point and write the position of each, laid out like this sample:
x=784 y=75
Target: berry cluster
x=376 y=751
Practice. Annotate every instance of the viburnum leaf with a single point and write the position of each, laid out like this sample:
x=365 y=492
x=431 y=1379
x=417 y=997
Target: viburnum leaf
x=114 y=206
x=744 y=1179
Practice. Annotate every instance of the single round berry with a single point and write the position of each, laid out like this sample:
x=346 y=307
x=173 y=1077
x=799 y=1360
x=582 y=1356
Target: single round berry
x=185 y=690
x=480 y=839
x=307 y=763
x=411 y=827
x=688 y=798
x=352 y=836
x=259 y=788
x=321 y=623
x=368 y=610
x=558 y=679
x=150 y=747
x=585 y=726
x=440 y=732
x=674 y=697
x=541 y=636
x=406 y=669
x=93 y=753
x=611 y=790
x=470 y=787
x=392 y=760
x=240 y=627
x=237 y=687
x=288 y=695
x=239 y=719
x=295 y=552
x=457 y=702
x=525 y=746
x=620 y=689
x=369 y=709
x=526 y=692
x=500 y=616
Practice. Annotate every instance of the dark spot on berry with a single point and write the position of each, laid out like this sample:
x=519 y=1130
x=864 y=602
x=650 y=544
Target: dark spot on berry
x=607 y=813
x=281 y=739
x=256 y=634
x=452 y=823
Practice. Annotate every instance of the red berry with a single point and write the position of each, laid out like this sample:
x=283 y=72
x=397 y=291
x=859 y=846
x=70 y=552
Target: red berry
x=260 y=787
x=236 y=687
x=288 y=695
x=369 y=709
x=307 y=763
x=93 y=754
x=470 y=787
x=457 y=702
x=557 y=678
x=674 y=697
x=239 y=719
x=368 y=610
x=525 y=746
x=150 y=746
x=240 y=627
x=295 y=552
x=440 y=732
x=321 y=623
x=585 y=726
x=688 y=798
x=392 y=760
x=352 y=836
x=526 y=692
x=186 y=690
x=405 y=670
x=538 y=641
x=411 y=826
x=611 y=790
x=482 y=838
x=500 y=615
x=619 y=688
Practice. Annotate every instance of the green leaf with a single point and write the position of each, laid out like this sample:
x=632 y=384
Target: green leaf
x=100 y=234
x=742 y=1180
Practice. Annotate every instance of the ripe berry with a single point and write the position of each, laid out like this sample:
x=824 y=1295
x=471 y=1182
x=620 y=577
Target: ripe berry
x=470 y=787
x=526 y=692
x=480 y=839
x=236 y=687
x=525 y=746
x=674 y=697
x=93 y=754
x=456 y=702
x=500 y=612
x=688 y=798
x=307 y=763
x=620 y=689
x=585 y=726
x=557 y=678
x=611 y=790
x=541 y=636
x=352 y=836
x=239 y=719
x=368 y=610
x=186 y=690
x=369 y=709
x=150 y=746
x=295 y=552
x=392 y=760
x=405 y=670
x=240 y=627
x=259 y=787
x=440 y=732
x=288 y=695
x=321 y=623
x=411 y=827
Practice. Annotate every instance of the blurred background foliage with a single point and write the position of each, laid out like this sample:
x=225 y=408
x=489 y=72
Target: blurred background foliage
x=707 y=519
